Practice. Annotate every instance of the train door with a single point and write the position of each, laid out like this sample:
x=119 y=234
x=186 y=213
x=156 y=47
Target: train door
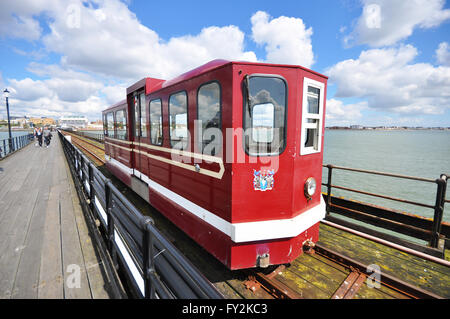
x=139 y=131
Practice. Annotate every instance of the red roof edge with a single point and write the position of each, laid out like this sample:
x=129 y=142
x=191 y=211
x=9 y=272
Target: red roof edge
x=201 y=69
x=152 y=84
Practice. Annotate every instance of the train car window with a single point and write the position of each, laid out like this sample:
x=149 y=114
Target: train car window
x=156 y=129
x=110 y=124
x=143 y=115
x=178 y=120
x=210 y=118
x=263 y=122
x=265 y=109
x=121 y=125
x=136 y=122
x=105 y=126
x=312 y=114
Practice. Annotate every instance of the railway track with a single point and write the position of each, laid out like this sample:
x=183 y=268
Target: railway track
x=280 y=282
x=92 y=148
x=359 y=275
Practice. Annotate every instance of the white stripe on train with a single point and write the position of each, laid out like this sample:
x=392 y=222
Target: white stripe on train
x=239 y=232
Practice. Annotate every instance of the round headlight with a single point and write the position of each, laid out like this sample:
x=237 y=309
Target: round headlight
x=310 y=187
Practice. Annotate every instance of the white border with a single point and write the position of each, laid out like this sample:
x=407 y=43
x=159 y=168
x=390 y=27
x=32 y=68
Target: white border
x=242 y=232
x=305 y=116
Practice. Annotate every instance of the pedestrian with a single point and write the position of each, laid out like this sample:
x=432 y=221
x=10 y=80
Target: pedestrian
x=47 y=137
x=35 y=134
x=39 y=136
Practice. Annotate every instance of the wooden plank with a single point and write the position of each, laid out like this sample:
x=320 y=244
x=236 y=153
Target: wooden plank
x=303 y=287
x=76 y=283
x=13 y=230
x=425 y=274
x=93 y=266
x=27 y=277
x=321 y=275
x=15 y=175
x=51 y=276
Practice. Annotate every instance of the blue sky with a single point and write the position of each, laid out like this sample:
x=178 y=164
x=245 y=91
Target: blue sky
x=388 y=61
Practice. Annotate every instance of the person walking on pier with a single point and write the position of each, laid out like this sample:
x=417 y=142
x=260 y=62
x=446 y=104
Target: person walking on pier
x=47 y=137
x=38 y=134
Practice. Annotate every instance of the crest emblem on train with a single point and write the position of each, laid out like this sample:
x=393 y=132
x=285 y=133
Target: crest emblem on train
x=263 y=180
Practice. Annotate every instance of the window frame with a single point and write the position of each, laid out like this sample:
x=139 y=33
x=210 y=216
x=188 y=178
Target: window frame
x=105 y=125
x=113 y=135
x=187 y=118
x=306 y=150
x=143 y=119
x=116 y=126
x=244 y=105
x=200 y=147
x=150 y=121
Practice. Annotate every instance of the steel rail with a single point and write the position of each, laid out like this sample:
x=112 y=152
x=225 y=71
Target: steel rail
x=388 y=243
x=86 y=140
x=385 y=279
x=383 y=196
x=380 y=173
x=102 y=160
x=91 y=153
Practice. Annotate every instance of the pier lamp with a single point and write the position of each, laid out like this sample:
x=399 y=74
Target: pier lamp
x=6 y=93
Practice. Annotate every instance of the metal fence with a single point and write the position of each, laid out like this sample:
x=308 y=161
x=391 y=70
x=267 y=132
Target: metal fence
x=431 y=231
x=152 y=266
x=8 y=146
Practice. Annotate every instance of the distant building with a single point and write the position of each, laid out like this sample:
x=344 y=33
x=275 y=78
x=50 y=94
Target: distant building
x=97 y=125
x=20 y=121
x=356 y=127
x=73 y=121
x=42 y=121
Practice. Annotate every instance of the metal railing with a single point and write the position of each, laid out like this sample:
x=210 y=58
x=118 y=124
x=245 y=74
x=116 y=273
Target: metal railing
x=406 y=224
x=93 y=135
x=152 y=265
x=16 y=143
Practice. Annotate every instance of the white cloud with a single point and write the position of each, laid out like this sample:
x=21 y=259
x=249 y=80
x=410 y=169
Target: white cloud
x=110 y=40
x=385 y=22
x=338 y=113
x=63 y=91
x=286 y=39
x=17 y=18
x=389 y=81
x=28 y=89
x=103 y=47
x=443 y=54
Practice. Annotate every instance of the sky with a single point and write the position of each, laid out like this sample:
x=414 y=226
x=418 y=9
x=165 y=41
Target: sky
x=388 y=61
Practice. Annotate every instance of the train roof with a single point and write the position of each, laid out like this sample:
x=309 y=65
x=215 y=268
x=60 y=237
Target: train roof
x=215 y=64
x=153 y=84
x=123 y=102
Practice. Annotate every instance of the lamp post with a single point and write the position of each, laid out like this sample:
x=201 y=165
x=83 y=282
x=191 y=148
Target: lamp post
x=6 y=93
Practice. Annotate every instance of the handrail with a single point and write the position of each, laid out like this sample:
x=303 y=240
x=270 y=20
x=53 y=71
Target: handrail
x=438 y=206
x=8 y=146
x=152 y=265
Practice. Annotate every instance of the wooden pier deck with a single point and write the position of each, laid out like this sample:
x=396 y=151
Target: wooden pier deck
x=45 y=247
x=311 y=276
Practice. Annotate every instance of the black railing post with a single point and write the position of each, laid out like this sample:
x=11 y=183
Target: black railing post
x=91 y=187
x=330 y=173
x=110 y=221
x=438 y=211
x=81 y=171
x=149 y=266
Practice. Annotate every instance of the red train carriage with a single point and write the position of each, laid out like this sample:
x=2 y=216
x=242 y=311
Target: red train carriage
x=231 y=152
